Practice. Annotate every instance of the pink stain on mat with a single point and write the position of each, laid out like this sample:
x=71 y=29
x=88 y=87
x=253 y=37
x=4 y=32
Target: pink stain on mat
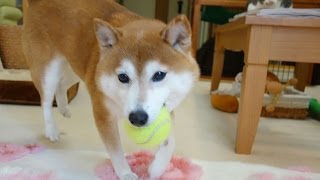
x=304 y=169
x=34 y=148
x=21 y=174
x=262 y=176
x=10 y=152
x=270 y=176
x=179 y=168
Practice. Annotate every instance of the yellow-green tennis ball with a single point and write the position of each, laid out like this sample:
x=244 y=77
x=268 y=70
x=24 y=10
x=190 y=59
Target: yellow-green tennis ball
x=153 y=134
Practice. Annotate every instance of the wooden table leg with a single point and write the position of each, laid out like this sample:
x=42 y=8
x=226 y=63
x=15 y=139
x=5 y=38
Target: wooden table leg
x=253 y=85
x=195 y=25
x=217 y=66
x=303 y=72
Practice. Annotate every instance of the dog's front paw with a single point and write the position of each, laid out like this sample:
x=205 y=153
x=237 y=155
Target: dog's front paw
x=155 y=171
x=129 y=176
x=65 y=112
x=52 y=132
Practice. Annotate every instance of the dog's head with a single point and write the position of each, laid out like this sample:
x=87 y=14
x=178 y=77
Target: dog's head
x=145 y=65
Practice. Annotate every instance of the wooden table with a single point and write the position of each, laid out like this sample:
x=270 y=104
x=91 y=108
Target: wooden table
x=233 y=4
x=262 y=39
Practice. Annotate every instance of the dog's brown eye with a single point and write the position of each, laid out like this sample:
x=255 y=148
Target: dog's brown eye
x=159 y=76
x=124 y=78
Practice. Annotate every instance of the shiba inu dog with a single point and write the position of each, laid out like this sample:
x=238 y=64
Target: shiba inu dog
x=131 y=66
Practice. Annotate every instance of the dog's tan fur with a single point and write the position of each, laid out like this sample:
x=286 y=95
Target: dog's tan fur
x=70 y=28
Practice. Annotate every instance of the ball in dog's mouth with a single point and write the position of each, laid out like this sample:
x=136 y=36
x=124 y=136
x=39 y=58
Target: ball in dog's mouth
x=152 y=135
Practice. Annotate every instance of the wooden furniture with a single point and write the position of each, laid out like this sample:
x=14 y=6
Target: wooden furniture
x=233 y=4
x=262 y=39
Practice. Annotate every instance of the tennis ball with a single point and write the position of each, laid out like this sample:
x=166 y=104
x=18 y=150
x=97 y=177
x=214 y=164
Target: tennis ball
x=153 y=134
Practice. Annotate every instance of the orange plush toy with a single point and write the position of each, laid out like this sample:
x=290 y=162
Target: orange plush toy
x=224 y=102
x=227 y=100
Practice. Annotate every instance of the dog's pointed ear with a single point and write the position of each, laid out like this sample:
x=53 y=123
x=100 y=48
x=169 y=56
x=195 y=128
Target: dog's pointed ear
x=106 y=34
x=178 y=33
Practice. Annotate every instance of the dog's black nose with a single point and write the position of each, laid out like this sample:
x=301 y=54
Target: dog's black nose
x=138 y=118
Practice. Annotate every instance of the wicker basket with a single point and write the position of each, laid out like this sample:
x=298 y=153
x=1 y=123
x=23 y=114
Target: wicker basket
x=11 y=48
x=11 y=56
x=293 y=104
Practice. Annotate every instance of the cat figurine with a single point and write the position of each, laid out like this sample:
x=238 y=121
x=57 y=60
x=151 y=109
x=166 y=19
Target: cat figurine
x=270 y=4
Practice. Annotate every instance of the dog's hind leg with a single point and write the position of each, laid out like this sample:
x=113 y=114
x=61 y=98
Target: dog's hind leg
x=51 y=79
x=45 y=67
x=67 y=80
x=62 y=100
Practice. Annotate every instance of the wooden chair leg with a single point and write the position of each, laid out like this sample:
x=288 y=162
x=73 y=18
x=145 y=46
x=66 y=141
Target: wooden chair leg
x=217 y=66
x=253 y=85
x=195 y=25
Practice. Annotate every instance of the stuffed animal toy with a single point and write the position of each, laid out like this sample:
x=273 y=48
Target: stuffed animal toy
x=227 y=100
x=276 y=89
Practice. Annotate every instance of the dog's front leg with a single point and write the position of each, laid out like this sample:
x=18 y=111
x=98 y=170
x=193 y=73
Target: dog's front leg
x=121 y=166
x=108 y=130
x=162 y=158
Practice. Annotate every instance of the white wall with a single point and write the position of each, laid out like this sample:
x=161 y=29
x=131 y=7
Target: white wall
x=147 y=7
x=144 y=8
x=173 y=8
